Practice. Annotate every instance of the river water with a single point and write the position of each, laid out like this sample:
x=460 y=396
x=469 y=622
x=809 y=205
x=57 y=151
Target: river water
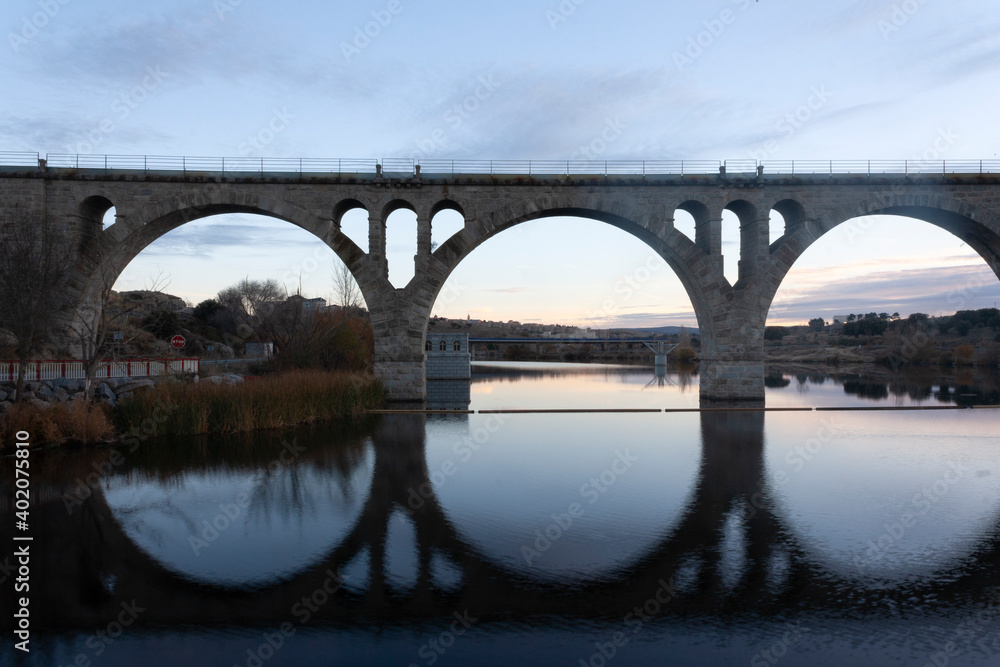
x=498 y=537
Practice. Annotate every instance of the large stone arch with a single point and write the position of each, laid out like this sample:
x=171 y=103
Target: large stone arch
x=953 y=215
x=676 y=249
x=105 y=257
x=401 y=317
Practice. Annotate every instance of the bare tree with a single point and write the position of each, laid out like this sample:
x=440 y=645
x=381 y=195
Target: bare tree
x=346 y=288
x=249 y=300
x=33 y=272
x=100 y=320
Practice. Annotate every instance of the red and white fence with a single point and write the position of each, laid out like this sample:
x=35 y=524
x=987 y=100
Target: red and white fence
x=77 y=369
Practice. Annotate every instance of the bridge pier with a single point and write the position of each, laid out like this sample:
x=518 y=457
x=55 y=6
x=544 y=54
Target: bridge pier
x=398 y=323
x=732 y=351
x=732 y=380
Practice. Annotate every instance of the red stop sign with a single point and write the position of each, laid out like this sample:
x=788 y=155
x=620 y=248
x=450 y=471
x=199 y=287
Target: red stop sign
x=178 y=341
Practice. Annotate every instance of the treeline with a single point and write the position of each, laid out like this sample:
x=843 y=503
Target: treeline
x=302 y=335
x=961 y=323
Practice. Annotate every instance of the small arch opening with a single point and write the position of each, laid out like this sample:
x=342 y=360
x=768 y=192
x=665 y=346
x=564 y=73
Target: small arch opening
x=110 y=217
x=776 y=226
x=351 y=218
x=457 y=346
x=792 y=214
x=684 y=223
x=731 y=246
x=443 y=346
x=445 y=223
x=747 y=233
x=98 y=210
x=401 y=245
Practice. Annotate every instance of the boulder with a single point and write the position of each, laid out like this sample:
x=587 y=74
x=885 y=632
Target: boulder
x=105 y=392
x=44 y=393
x=71 y=385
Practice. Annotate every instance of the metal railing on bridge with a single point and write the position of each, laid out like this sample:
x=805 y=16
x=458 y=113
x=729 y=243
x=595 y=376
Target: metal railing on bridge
x=77 y=369
x=302 y=168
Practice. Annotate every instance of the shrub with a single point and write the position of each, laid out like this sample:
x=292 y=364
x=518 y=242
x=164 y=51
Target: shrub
x=869 y=326
x=989 y=356
x=56 y=423
x=685 y=354
x=775 y=333
x=207 y=309
x=963 y=354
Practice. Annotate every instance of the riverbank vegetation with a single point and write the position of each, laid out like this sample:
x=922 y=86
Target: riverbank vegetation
x=274 y=401
x=78 y=421
x=967 y=338
x=183 y=407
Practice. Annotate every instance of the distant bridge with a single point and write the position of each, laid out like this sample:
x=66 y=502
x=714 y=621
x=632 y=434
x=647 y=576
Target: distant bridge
x=155 y=195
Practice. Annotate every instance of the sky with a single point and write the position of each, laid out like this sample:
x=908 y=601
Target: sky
x=522 y=79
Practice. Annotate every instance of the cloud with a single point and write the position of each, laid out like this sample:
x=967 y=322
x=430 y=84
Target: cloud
x=937 y=290
x=507 y=290
x=235 y=233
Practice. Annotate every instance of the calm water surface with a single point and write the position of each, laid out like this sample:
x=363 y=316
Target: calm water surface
x=862 y=537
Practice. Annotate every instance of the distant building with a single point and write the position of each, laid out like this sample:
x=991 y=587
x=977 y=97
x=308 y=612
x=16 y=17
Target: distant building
x=447 y=356
x=307 y=304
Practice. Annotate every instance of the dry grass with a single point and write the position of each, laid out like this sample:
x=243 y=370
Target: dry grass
x=56 y=423
x=277 y=401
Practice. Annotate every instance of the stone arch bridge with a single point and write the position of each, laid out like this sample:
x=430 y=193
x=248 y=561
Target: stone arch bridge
x=731 y=317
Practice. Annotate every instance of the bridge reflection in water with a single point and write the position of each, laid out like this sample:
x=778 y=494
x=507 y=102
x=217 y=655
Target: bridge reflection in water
x=731 y=555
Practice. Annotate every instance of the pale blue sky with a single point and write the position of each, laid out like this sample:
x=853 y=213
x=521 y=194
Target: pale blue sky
x=202 y=77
